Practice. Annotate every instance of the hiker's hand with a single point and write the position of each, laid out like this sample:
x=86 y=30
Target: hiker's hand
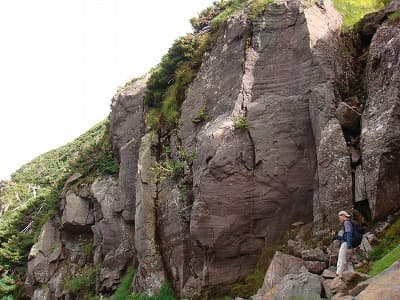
x=350 y=251
x=333 y=233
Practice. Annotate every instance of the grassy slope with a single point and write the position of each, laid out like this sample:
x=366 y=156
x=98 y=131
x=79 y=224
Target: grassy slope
x=385 y=262
x=24 y=214
x=387 y=251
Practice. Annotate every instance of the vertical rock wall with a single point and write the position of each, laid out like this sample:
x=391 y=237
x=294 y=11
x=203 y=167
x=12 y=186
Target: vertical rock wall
x=380 y=138
x=242 y=186
x=250 y=184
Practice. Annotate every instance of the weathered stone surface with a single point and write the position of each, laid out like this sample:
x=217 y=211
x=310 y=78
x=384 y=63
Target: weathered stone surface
x=41 y=257
x=348 y=117
x=281 y=265
x=76 y=213
x=41 y=294
x=383 y=286
x=343 y=285
x=334 y=177
x=295 y=248
x=303 y=285
x=360 y=191
x=328 y=274
x=316 y=254
x=150 y=276
x=315 y=267
x=355 y=155
x=380 y=138
x=371 y=22
x=112 y=237
x=246 y=182
x=175 y=245
x=127 y=128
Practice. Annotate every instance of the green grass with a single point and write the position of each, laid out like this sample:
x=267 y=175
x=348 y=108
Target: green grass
x=388 y=242
x=385 y=262
x=202 y=116
x=83 y=282
x=242 y=123
x=354 y=10
x=123 y=290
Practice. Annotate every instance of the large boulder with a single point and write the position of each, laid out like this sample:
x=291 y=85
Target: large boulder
x=280 y=266
x=349 y=118
x=294 y=286
x=380 y=138
x=77 y=214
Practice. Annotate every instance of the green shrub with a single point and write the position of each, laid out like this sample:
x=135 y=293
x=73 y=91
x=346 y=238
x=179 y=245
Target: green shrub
x=242 y=123
x=203 y=116
x=123 y=291
x=82 y=282
x=168 y=169
x=257 y=7
x=218 y=12
x=169 y=81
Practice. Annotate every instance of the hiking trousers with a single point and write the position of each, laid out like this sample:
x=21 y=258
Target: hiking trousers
x=344 y=260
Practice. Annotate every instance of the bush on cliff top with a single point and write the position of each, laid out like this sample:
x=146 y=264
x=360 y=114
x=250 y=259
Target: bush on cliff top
x=33 y=193
x=168 y=82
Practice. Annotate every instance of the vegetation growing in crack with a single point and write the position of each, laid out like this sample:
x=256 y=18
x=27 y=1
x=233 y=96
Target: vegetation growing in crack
x=124 y=290
x=83 y=284
x=202 y=116
x=242 y=123
x=32 y=195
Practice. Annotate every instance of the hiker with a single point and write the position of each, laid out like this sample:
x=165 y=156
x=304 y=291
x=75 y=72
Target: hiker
x=346 y=247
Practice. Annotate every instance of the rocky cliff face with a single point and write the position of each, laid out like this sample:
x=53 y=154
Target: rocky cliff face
x=240 y=187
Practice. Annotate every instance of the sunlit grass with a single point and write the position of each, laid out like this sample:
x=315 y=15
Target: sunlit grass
x=353 y=10
x=385 y=262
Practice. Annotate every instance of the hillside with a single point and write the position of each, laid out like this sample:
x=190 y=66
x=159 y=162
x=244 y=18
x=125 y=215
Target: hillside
x=240 y=146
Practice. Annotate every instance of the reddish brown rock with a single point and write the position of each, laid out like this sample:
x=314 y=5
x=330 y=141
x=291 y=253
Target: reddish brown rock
x=316 y=267
x=127 y=127
x=281 y=265
x=380 y=138
x=349 y=118
x=150 y=276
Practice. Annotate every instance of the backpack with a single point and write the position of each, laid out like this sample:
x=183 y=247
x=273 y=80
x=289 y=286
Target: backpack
x=357 y=234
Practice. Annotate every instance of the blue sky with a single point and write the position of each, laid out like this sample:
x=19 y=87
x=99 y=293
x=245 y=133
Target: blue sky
x=61 y=62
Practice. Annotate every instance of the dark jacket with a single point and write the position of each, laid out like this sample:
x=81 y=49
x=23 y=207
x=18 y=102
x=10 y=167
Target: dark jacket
x=348 y=234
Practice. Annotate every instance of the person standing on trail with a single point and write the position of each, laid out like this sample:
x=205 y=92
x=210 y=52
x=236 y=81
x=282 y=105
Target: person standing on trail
x=346 y=247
